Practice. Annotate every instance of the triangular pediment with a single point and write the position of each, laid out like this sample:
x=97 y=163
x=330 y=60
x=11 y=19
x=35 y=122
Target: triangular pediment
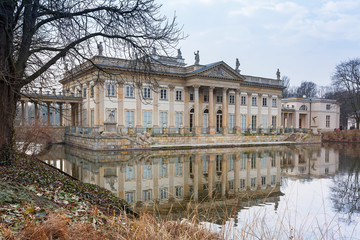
x=218 y=70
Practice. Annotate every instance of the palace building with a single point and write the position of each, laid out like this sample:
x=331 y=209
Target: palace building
x=201 y=99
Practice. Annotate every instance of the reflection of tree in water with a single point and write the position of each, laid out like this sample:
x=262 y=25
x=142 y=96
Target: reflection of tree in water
x=346 y=190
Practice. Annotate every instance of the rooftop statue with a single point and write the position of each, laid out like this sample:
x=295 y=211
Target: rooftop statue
x=197 y=57
x=278 y=74
x=100 y=48
x=153 y=51
x=237 y=65
x=179 y=53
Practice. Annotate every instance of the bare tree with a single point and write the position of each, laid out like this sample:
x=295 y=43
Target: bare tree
x=37 y=36
x=286 y=83
x=347 y=78
x=308 y=89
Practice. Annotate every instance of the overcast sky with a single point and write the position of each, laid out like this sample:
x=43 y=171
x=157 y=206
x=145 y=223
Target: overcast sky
x=305 y=39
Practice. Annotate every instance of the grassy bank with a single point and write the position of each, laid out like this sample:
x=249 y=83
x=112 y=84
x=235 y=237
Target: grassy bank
x=39 y=202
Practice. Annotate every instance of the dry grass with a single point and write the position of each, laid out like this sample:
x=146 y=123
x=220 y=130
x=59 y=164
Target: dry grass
x=342 y=136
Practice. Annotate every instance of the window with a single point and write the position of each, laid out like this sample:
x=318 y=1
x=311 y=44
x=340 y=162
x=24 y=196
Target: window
x=147 y=119
x=243 y=123
x=110 y=90
x=178 y=191
x=84 y=93
x=254 y=101
x=92 y=91
x=219 y=98
x=92 y=118
x=206 y=98
x=273 y=179
x=205 y=164
x=327 y=121
x=178 y=95
x=253 y=182
x=163 y=193
x=147 y=171
x=129 y=172
x=191 y=96
x=231 y=162
x=163 y=169
x=263 y=180
x=147 y=195
x=264 y=102
x=263 y=161
x=326 y=170
x=253 y=122
x=242 y=183
x=163 y=94
x=303 y=107
x=129 y=91
x=231 y=184
x=163 y=120
x=178 y=167
x=178 y=121
x=242 y=161
x=129 y=197
x=273 y=121
x=147 y=93
x=218 y=163
x=273 y=162
x=231 y=99
x=274 y=102
x=129 y=119
x=328 y=107
x=253 y=161
x=243 y=100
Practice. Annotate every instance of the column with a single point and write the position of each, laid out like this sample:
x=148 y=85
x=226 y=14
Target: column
x=249 y=102
x=259 y=116
x=237 y=111
x=156 y=108
x=120 y=110
x=224 y=172
x=196 y=176
x=88 y=110
x=186 y=108
x=139 y=175
x=61 y=114
x=97 y=105
x=101 y=104
x=48 y=113
x=54 y=115
x=40 y=114
x=172 y=106
x=26 y=112
x=196 y=108
x=211 y=111
x=211 y=174
x=224 y=112
x=22 y=113
x=237 y=172
x=72 y=112
x=138 y=108
x=269 y=112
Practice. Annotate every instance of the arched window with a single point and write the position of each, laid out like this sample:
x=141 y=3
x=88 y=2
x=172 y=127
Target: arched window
x=303 y=107
x=192 y=110
x=219 y=112
x=206 y=111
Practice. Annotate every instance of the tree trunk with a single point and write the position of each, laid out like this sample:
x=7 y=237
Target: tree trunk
x=7 y=116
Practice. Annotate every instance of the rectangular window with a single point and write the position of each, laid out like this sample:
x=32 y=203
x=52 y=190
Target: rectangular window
x=231 y=184
x=253 y=161
x=84 y=93
x=191 y=96
x=218 y=163
x=129 y=173
x=264 y=122
x=328 y=107
x=243 y=123
x=206 y=98
x=253 y=182
x=243 y=100
x=273 y=179
x=231 y=123
x=263 y=180
x=147 y=195
x=230 y=162
x=92 y=91
x=273 y=161
x=254 y=101
x=178 y=121
x=163 y=94
x=205 y=164
x=147 y=171
x=178 y=95
x=273 y=121
x=231 y=99
x=327 y=121
x=147 y=93
x=264 y=102
x=263 y=161
x=92 y=118
x=129 y=91
x=242 y=161
x=242 y=183
x=219 y=98
x=163 y=193
x=147 y=119
x=163 y=169
x=178 y=191
x=274 y=103
x=253 y=122
x=110 y=90
x=178 y=167
x=163 y=120
x=129 y=197
x=129 y=119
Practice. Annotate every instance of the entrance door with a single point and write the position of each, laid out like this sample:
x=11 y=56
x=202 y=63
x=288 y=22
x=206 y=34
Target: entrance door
x=191 y=124
x=299 y=123
x=205 y=121
x=218 y=121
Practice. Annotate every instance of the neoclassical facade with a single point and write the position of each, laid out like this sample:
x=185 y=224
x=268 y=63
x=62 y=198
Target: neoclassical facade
x=201 y=99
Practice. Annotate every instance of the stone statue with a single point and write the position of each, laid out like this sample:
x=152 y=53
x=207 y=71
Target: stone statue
x=153 y=51
x=100 y=48
x=179 y=54
x=197 y=57
x=278 y=74
x=237 y=65
x=111 y=117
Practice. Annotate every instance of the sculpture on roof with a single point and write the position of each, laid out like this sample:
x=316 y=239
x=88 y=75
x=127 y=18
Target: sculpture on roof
x=278 y=74
x=100 y=48
x=237 y=65
x=179 y=53
x=153 y=51
x=197 y=57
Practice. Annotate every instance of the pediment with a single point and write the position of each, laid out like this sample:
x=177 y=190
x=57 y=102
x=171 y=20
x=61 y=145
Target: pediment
x=219 y=70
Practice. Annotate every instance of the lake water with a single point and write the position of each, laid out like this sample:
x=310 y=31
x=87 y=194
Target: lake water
x=277 y=192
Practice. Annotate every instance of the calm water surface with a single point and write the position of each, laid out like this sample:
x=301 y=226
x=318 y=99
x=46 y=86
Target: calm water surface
x=304 y=191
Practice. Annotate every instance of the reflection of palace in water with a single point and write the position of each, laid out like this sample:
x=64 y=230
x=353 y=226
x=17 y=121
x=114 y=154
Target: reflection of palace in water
x=174 y=176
